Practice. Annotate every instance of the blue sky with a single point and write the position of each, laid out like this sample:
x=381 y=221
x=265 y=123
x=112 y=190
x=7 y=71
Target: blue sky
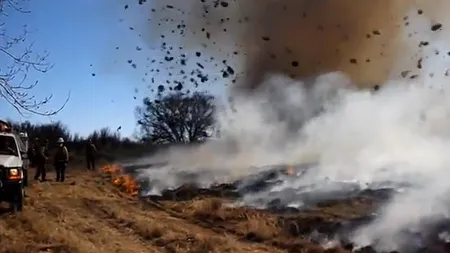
x=78 y=34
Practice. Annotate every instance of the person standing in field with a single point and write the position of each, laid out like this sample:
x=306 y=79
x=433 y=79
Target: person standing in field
x=47 y=148
x=40 y=160
x=91 y=155
x=31 y=153
x=60 y=160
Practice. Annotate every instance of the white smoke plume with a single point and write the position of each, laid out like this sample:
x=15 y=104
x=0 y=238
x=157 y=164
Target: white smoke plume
x=399 y=134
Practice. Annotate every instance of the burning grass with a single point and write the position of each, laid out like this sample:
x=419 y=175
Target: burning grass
x=123 y=181
x=210 y=211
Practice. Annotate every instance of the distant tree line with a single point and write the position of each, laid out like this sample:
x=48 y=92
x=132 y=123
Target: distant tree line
x=103 y=138
x=174 y=118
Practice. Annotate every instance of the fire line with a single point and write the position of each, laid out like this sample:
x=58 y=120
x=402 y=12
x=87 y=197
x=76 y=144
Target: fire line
x=124 y=182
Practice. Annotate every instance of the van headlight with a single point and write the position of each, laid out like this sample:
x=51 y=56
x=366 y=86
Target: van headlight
x=14 y=174
x=14 y=171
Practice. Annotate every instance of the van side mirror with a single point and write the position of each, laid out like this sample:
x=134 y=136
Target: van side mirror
x=24 y=155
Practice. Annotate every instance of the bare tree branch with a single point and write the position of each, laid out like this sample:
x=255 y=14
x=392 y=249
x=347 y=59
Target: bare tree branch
x=14 y=88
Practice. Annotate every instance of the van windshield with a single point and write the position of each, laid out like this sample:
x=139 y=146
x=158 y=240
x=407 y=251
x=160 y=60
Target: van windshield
x=8 y=146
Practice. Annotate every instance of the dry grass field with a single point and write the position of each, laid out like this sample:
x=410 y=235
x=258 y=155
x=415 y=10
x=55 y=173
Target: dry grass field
x=100 y=212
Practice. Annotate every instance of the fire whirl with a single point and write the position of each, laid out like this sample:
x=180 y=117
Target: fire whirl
x=125 y=182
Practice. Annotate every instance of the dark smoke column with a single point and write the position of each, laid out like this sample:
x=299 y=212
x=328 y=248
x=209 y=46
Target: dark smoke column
x=298 y=38
x=303 y=38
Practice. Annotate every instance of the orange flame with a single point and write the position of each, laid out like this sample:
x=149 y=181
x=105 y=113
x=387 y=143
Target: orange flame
x=290 y=170
x=125 y=182
x=111 y=169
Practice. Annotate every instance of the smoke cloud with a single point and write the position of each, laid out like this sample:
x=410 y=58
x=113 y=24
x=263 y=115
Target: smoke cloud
x=308 y=60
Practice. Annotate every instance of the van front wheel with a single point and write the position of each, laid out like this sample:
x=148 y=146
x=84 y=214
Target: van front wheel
x=17 y=202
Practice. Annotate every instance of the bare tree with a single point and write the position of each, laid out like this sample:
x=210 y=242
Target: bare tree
x=176 y=118
x=14 y=85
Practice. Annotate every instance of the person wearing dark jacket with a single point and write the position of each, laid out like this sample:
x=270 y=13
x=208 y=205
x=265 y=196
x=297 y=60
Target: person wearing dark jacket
x=46 y=148
x=30 y=155
x=40 y=160
x=91 y=155
x=60 y=160
x=32 y=152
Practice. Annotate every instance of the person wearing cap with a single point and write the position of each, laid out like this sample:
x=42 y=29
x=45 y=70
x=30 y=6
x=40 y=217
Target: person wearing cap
x=60 y=160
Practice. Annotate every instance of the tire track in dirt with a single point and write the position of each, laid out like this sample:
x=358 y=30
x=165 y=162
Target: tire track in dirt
x=171 y=232
x=168 y=239
x=179 y=215
x=52 y=221
x=108 y=216
x=99 y=192
x=92 y=226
